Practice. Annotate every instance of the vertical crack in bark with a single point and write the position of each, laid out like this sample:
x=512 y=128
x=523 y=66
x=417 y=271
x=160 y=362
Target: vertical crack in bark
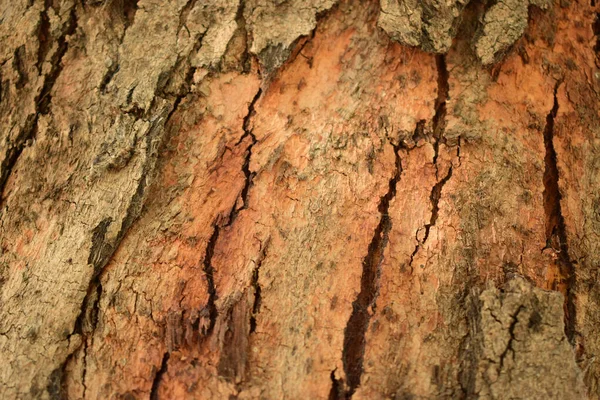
x=434 y=197
x=256 y=286
x=90 y=308
x=42 y=103
x=439 y=127
x=358 y=323
x=249 y=175
x=43 y=35
x=164 y=79
x=94 y=317
x=210 y=281
x=18 y=65
x=158 y=376
x=45 y=97
x=337 y=389
x=210 y=247
x=15 y=149
x=556 y=233
x=241 y=24
x=511 y=331
x=439 y=118
x=108 y=76
x=128 y=10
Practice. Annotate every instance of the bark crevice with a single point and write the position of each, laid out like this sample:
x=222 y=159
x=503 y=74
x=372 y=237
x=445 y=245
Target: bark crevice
x=158 y=376
x=337 y=388
x=43 y=34
x=210 y=282
x=556 y=232
x=439 y=127
x=208 y=268
x=439 y=118
x=358 y=323
x=249 y=175
x=511 y=332
x=257 y=288
x=434 y=198
x=129 y=9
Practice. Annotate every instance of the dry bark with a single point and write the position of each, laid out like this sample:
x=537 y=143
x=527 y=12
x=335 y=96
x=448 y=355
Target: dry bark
x=299 y=199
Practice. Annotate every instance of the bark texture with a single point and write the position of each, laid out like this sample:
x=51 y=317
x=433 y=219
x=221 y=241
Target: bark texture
x=299 y=199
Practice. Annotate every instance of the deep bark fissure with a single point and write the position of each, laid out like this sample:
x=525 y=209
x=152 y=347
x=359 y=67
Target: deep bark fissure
x=128 y=9
x=337 y=388
x=19 y=66
x=108 y=76
x=95 y=287
x=158 y=376
x=249 y=175
x=439 y=118
x=439 y=126
x=43 y=35
x=255 y=284
x=241 y=24
x=42 y=103
x=208 y=268
x=458 y=155
x=101 y=252
x=419 y=131
x=94 y=317
x=434 y=198
x=468 y=301
x=15 y=150
x=2 y=88
x=300 y=43
x=556 y=233
x=45 y=97
x=210 y=281
x=358 y=323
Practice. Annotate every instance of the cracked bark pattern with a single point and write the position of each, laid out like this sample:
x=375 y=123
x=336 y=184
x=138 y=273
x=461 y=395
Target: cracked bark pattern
x=520 y=336
x=261 y=199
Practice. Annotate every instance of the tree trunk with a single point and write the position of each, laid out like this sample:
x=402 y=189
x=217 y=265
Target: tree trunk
x=299 y=199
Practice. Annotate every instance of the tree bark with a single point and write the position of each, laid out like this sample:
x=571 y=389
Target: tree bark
x=299 y=199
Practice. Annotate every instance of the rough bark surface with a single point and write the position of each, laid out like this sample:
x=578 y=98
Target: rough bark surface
x=299 y=199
